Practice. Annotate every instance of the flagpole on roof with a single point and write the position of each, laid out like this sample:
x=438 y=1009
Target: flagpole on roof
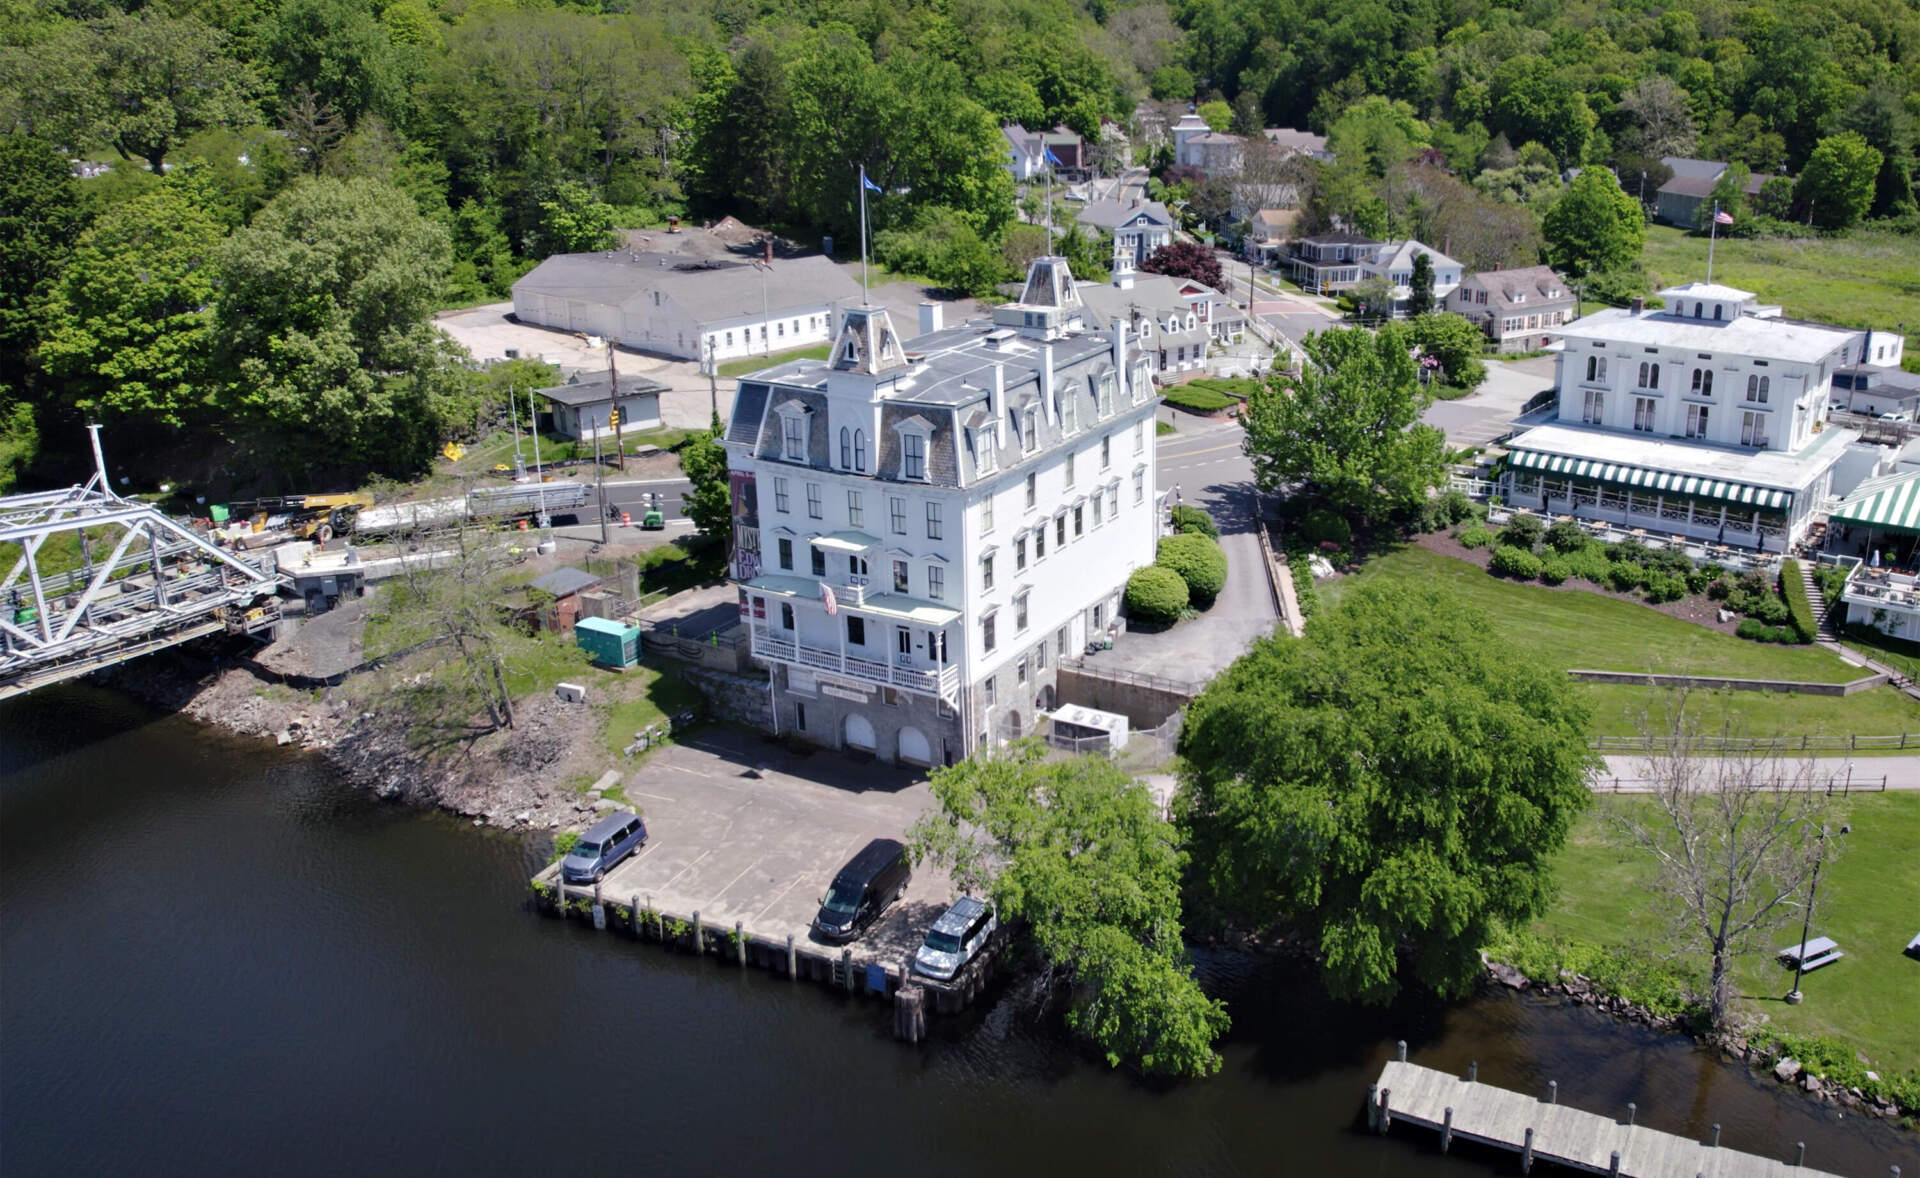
x=1713 y=232
x=864 y=185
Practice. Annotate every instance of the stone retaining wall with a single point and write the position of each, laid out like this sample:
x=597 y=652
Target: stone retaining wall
x=1715 y=683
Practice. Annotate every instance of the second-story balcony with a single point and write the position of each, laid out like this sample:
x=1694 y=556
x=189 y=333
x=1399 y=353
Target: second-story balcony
x=907 y=672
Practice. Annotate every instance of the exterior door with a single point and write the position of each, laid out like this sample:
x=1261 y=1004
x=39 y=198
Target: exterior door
x=860 y=732
x=914 y=747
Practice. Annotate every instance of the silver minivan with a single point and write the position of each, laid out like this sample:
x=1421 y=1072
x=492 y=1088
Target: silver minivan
x=956 y=939
x=603 y=846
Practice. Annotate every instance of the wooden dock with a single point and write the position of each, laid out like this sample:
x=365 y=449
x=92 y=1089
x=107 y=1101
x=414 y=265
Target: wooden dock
x=1540 y=1129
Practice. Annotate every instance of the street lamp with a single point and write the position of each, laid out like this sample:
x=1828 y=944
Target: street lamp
x=1794 y=996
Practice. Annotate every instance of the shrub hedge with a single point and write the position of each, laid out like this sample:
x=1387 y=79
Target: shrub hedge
x=1156 y=594
x=1793 y=587
x=1194 y=519
x=1475 y=537
x=1759 y=631
x=1199 y=562
x=1523 y=530
x=1518 y=563
x=1198 y=400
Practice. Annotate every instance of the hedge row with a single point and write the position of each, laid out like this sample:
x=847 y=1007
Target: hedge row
x=1793 y=587
x=1198 y=400
x=1200 y=563
x=1156 y=594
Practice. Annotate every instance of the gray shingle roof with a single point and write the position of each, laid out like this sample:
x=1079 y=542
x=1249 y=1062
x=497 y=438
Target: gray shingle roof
x=1112 y=214
x=589 y=390
x=565 y=581
x=709 y=291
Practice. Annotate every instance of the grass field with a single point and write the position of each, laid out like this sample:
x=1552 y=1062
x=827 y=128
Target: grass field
x=746 y=364
x=1564 y=629
x=643 y=696
x=1865 y=280
x=1865 y=902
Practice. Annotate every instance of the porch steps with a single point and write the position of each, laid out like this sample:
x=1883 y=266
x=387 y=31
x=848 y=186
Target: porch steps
x=1816 y=599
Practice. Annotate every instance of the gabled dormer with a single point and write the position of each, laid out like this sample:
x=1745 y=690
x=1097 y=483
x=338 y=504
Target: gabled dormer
x=867 y=344
x=1049 y=305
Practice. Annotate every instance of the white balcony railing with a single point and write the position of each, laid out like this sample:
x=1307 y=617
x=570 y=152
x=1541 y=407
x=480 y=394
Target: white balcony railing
x=906 y=673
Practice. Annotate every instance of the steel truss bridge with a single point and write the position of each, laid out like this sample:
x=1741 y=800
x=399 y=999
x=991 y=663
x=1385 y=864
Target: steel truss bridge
x=143 y=582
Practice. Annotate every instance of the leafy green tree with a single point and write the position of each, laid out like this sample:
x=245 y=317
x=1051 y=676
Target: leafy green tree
x=1217 y=115
x=1420 y=298
x=1079 y=851
x=574 y=220
x=1455 y=342
x=1532 y=102
x=130 y=323
x=709 y=505
x=1087 y=253
x=323 y=324
x=943 y=247
x=42 y=214
x=1594 y=226
x=1393 y=786
x=1186 y=259
x=1172 y=83
x=1729 y=195
x=139 y=82
x=341 y=53
x=1379 y=133
x=1836 y=186
x=1347 y=429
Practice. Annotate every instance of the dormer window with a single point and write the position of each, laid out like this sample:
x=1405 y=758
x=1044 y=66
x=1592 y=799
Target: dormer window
x=985 y=440
x=913 y=449
x=793 y=431
x=1029 y=430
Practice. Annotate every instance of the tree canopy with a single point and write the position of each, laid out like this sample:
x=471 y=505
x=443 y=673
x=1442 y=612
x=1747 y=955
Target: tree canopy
x=1392 y=785
x=1079 y=851
x=1594 y=226
x=1347 y=428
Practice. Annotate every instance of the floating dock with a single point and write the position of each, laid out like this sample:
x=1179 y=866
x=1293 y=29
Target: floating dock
x=1543 y=1130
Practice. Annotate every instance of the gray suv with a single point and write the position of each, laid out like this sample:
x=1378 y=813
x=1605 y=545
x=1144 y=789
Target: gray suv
x=956 y=939
x=603 y=846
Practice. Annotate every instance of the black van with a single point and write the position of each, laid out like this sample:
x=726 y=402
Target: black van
x=870 y=881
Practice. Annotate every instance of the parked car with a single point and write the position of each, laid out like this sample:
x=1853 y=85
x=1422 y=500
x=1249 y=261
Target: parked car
x=870 y=882
x=603 y=846
x=956 y=939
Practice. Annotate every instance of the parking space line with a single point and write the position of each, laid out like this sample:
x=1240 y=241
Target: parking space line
x=781 y=895
x=655 y=797
x=736 y=879
x=687 y=868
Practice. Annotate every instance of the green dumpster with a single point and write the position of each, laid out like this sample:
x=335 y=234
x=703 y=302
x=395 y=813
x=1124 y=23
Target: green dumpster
x=608 y=643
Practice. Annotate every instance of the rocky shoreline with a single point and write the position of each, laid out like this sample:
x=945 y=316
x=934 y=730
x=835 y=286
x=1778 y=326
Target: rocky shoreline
x=511 y=779
x=1578 y=990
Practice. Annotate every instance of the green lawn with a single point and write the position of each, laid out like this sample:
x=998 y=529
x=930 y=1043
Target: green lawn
x=642 y=696
x=1864 y=280
x=1866 y=903
x=1901 y=655
x=1567 y=628
x=1570 y=628
x=746 y=364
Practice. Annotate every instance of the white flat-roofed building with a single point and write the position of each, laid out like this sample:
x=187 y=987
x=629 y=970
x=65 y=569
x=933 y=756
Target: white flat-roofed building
x=1706 y=419
x=925 y=527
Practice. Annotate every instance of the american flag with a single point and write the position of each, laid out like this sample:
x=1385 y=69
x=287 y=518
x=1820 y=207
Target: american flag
x=826 y=595
x=1723 y=217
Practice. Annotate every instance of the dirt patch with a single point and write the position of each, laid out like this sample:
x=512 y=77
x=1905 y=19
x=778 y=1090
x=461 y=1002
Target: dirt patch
x=1697 y=608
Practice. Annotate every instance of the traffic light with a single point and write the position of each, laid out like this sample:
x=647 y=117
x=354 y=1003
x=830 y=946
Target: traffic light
x=613 y=418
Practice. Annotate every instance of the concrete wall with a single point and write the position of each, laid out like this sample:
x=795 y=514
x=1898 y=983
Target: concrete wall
x=1145 y=702
x=1711 y=683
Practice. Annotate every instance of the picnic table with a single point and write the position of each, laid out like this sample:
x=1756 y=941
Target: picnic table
x=1812 y=954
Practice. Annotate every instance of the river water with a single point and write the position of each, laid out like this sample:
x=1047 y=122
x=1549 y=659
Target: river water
x=214 y=959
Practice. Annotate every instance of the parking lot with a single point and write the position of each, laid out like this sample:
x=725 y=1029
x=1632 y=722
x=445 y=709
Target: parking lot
x=741 y=829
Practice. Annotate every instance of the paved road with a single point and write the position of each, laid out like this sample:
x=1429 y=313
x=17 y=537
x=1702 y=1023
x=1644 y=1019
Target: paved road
x=630 y=496
x=1846 y=775
x=1488 y=412
x=1205 y=462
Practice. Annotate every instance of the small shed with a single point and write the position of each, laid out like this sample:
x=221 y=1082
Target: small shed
x=579 y=409
x=1085 y=729
x=564 y=585
x=607 y=642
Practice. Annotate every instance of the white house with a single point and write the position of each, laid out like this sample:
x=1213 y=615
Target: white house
x=1139 y=227
x=581 y=408
x=925 y=527
x=689 y=310
x=1518 y=309
x=1166 y=315
x=1706 y=419
x=1393 y=261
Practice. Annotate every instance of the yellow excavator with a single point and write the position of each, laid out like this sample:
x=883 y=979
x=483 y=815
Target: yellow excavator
x=304 y=517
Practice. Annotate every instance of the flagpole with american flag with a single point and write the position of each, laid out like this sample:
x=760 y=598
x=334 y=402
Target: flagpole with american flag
x=1713 y=232
x=828 y=599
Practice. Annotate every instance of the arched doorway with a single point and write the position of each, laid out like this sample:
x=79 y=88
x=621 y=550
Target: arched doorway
x=1044 y=701
x=860 y=732
x=914 y=746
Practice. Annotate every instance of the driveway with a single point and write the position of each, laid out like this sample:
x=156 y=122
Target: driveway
x=1488 y=412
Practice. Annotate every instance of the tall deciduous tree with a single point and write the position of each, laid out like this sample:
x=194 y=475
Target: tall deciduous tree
x=1731 y=836
x=709 y=505
x=1187 y=259
x=1594 y=226
x=1392 y=786
x=130 y=324
x=1079 y=851
x=323 y=322
x=42 y=214
x=1836 y=187
x=1347 y=428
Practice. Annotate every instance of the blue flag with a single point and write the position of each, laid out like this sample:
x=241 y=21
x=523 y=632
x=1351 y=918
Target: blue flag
x=1054 y=159
x=868 y=184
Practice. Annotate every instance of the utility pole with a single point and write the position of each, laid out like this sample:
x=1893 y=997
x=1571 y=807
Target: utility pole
x=713 y=380
x=613 y=379
x=600 y=488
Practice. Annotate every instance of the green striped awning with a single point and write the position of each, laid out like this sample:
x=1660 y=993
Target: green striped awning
x=1659 y=482
x=1891 y=504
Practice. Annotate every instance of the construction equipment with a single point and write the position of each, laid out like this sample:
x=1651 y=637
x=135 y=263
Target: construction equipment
x=275 y=518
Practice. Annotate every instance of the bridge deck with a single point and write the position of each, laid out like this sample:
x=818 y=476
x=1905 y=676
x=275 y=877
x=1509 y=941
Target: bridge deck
x=1565 y=1136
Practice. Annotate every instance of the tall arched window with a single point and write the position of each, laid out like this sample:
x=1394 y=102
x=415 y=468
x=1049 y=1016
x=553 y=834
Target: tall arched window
x=1764 y=382
x=860 y=450
x=1706 y=384
x=1596 y=368
x=1699 y=309
x=1717 y=309
x=1753 y=388
x=1653 y=377
x=846 y=447
x=1697 y=374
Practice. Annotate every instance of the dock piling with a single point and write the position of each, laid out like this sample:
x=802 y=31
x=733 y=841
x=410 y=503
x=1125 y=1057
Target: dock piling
x=1613 y=1165
x=1526 y=1154
x=1403 y=1051
x=909 y=1014
x=740 y=943
x=1386 y=1109
x=634 y=909
x=1373 y=1107
x=1473 y=1072
x=699 y=934
x=792 y=961
x=1446 y=1130
x=846 y=968
x=1716 y=1135
x=1633 y=1111
x=1553 y=1092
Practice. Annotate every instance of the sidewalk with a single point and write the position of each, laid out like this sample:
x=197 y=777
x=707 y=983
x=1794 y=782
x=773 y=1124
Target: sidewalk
x=1868 y=774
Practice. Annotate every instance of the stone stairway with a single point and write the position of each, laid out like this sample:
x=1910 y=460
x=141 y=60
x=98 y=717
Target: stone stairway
x=1823 y=627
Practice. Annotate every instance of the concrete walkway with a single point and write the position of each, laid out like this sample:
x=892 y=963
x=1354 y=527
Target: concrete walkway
x=1847 y=775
